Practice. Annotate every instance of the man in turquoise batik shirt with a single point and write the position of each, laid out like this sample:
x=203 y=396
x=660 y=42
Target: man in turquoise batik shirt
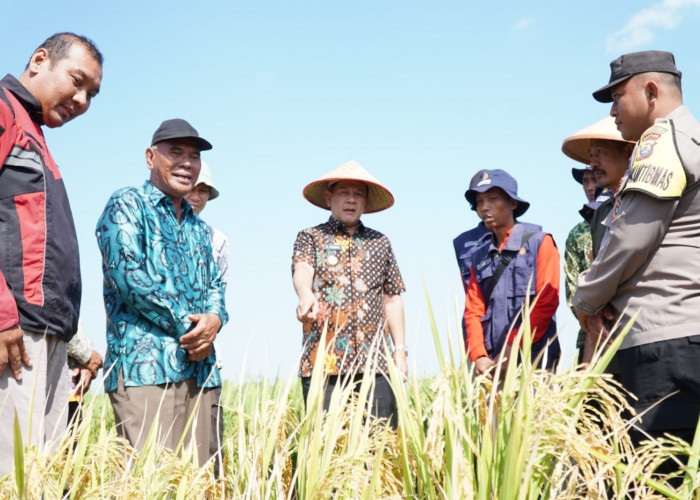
x=163 y=296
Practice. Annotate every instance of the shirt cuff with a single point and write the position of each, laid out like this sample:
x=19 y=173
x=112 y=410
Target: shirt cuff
x=477 y=353
x=587 y=308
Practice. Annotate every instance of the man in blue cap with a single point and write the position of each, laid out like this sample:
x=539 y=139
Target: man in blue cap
x=468 y=241
x=649 y=258
x=465 y=244
x=512 y=264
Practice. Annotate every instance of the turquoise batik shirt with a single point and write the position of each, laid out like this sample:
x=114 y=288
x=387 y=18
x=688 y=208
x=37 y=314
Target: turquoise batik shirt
x=156 y=273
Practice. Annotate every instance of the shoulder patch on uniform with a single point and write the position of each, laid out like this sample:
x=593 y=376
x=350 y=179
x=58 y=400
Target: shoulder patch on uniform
x=616 y=210
x=657 y=168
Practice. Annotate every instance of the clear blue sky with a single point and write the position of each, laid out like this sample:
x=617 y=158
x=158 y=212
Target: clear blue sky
x=422 y=94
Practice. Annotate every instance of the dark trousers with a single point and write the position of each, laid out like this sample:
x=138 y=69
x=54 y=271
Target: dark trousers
x=382 y=403
x=653 y=371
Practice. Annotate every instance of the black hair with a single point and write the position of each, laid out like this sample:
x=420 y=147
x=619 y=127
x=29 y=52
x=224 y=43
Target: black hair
x=58 y=45
x=331 y=185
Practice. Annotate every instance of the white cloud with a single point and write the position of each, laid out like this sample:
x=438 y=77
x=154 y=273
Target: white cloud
x=641 y=28
x=524 y=23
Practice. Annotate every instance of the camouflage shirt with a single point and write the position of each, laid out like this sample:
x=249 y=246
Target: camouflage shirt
x=576 y=260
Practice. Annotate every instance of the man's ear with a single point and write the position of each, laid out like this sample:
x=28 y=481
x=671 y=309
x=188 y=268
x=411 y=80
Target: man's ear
x=150 y=153
x=651 y=91
x=39 y=58
x=327 y=198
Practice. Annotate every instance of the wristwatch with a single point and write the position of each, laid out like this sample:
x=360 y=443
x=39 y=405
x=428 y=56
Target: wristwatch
x=400 y=347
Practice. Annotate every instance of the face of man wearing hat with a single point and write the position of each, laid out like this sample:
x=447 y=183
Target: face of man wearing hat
x=608 y=160
x=199 y=197
x=347 y=201
x=174 y=166
x=495 y=208
x=643 y=86
x=589 y=184
x=631 y=106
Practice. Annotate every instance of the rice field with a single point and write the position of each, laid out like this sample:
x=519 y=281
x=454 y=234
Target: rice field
x=533 y=435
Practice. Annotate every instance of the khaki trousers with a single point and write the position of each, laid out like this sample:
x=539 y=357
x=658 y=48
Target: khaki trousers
x=136 y=409
x=49 y=408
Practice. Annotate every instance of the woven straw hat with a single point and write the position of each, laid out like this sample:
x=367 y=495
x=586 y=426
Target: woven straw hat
x=379 y=197
x=576 y=146
x=205 y=178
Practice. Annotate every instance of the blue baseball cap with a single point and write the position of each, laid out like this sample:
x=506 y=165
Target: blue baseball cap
x=496 y=178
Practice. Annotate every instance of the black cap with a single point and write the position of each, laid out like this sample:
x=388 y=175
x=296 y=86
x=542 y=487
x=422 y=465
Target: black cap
x=601 y=196
x=632 y=64
x=578 y=173
x=177 y=128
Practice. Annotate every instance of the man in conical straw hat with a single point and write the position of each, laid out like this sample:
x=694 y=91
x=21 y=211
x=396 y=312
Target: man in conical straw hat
x=600 y=147
x=346 y=274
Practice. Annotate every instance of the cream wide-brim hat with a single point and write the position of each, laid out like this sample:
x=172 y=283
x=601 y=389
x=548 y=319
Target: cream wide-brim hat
x=205 y=178
x=576 y=146
x=379 y=197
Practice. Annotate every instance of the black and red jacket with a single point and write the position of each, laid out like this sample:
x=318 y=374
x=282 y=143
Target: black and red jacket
x=39 y=262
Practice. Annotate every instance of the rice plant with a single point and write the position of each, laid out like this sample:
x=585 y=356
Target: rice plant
x=529 y=434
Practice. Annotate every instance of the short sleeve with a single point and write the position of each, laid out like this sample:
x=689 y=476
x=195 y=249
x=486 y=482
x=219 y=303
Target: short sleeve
x=304 y=249
x=393 y=282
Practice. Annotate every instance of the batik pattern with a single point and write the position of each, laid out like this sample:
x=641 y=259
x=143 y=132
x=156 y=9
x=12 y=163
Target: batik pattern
x=352 y=273
x=156 y=273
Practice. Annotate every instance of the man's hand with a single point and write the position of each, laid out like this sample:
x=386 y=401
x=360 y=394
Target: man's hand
x=94 y=364
x=307 y=309
x=502 y=357
x=401 y=360
x=12 y=351
x=483 y=365
x=87 y=372
x=197 y=342
x=596 y=331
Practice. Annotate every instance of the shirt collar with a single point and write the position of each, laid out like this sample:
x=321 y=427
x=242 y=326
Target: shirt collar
x=512 y=241
x=336 y=226
x=157 y=196
x=679 y=112
x=25 y=97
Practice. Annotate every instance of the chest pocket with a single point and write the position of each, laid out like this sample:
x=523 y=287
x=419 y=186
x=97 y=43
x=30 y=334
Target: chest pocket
x=522 y=275
x=464 y=260
x=484 y=271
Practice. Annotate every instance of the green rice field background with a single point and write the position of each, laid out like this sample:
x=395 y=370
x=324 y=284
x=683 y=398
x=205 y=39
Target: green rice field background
x=533 y=435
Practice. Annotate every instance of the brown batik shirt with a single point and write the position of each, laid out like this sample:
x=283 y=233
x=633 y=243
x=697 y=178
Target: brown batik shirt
x=352 y=273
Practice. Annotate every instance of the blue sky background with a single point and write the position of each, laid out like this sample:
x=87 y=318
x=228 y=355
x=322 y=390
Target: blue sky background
x=422 y=94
